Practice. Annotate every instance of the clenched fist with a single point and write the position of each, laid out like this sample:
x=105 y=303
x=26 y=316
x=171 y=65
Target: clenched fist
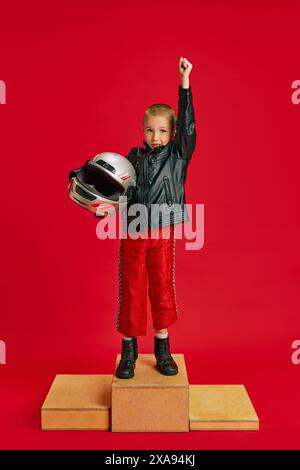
x=185 y=68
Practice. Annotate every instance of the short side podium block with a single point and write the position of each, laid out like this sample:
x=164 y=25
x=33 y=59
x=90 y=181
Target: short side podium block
x=221 y=408
x=77 y=402
x=150 y=401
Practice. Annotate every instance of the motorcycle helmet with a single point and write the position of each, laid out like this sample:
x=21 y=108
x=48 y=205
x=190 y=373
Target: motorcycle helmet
x=101 y=185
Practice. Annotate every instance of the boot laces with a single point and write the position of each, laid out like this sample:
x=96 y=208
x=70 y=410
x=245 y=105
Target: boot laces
x=128 y=351
x=163 y=349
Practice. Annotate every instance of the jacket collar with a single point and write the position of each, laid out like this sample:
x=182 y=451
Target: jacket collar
x=162 y=149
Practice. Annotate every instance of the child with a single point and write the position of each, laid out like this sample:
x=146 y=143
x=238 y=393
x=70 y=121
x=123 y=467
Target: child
x=161 y=170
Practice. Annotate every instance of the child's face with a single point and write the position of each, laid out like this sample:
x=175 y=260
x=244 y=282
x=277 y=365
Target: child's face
x=157 y=131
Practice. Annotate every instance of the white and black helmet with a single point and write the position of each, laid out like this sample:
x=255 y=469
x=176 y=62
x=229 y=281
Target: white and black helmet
x=101 y=185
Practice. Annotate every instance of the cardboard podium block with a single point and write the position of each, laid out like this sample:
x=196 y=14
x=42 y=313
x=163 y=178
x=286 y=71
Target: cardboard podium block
x=150 y=401
x=221 y=408
x=78 y=402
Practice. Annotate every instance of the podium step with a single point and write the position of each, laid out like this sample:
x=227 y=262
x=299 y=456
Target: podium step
x=221 y=408
x=150 y=401
x=77 y=402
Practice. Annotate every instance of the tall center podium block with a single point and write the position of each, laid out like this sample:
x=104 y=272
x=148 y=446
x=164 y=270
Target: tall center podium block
x=77 y=402
x=150 y=401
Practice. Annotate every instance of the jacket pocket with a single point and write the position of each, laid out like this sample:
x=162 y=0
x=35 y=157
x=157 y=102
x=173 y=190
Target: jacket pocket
x=168 y=191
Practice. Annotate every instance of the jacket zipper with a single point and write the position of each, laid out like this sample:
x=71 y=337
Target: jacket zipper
x=145 y=179
x=168 y=191
x=174 y=187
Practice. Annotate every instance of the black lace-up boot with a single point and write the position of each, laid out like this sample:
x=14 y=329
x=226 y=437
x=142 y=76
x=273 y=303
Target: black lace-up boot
x=125 y=369
x=165 y=362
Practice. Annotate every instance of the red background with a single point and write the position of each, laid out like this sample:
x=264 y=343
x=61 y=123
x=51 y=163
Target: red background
x=78 y=76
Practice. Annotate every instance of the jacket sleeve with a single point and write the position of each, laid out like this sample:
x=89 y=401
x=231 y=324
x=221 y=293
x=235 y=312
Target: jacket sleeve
x=185 y=138
x=131 y=156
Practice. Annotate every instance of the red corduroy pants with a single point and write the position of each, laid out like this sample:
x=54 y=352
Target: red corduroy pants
x=141 y=260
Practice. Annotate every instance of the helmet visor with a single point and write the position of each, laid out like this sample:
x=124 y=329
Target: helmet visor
x=100 y=183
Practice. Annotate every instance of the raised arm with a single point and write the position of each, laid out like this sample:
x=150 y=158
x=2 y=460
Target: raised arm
x=185 y=138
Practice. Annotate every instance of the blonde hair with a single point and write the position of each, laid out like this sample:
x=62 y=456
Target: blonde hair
x=161 y=109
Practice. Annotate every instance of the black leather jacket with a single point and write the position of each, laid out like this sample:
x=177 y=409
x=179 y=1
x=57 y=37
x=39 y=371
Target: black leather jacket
x=161 y=172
